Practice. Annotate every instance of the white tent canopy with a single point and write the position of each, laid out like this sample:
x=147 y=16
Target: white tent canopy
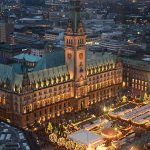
x=85 y=137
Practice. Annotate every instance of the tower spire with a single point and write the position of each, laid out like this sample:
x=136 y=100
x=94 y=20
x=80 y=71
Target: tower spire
x=75 y=13
x=75 y=44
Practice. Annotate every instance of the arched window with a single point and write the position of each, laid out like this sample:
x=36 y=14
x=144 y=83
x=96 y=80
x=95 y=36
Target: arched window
x=30 y=107
x=43 y=103
x=24 y=109
x=16 y=107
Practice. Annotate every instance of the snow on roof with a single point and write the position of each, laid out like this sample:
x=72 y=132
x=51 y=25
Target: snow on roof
x=85 y=137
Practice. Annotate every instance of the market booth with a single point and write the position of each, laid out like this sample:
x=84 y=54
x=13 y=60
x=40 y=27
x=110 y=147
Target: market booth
x=110 y=133
x=88 y=139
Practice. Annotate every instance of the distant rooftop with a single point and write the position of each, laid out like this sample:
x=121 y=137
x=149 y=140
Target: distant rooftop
x=146 y=58
x=12 y=138
x=139 y=64
x=28 y=57
x=11 y=47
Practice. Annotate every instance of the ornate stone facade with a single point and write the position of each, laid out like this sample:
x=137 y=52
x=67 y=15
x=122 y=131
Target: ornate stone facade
x=40 y=95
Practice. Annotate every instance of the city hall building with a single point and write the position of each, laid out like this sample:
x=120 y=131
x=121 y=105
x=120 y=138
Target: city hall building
x=62 y=81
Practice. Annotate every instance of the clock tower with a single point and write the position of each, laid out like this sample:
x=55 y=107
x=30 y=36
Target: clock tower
x=75 y=49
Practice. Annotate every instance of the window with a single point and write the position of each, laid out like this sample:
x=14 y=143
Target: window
x=68 y=104
x=34 y=114
x=45 y=111
x=59 y=106
x=64 y=104
x=27 y=118
x=135 y=81
x=40 y=93
x=142 y=88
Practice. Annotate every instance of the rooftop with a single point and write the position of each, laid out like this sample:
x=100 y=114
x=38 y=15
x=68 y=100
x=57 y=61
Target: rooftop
x=12 y=138
x=11 y=47
x=138 y=64
x=50 y=66
x=85 y=137
x=27 y=57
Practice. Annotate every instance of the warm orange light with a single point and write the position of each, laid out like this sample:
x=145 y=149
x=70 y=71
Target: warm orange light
x=104 y=109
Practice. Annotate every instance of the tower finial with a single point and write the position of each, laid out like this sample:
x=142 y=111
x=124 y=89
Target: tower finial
x=75 y=13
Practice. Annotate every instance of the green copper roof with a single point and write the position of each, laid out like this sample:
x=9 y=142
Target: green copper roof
x=7 y=73
x=100 y=59
x=53 y=59
x=46 y=74
x=28 y=57
x=49 y=67
x=75 y=13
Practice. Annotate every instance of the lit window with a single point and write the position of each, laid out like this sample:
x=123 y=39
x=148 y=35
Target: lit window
x=142 y=88
x=135 y=81
x=139 y=87
x=123 y=84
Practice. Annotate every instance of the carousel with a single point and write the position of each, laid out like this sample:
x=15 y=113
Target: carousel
x=110 y=133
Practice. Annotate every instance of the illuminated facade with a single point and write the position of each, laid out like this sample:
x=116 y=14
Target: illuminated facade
x=136 y=76
x=37 y=96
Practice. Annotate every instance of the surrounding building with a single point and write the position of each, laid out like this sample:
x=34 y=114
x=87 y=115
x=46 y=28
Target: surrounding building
x=31 y=60
x=22 y=38
x=5 y=30
x=53 y=35
x=49 y=2
x=12 y=137
x=136 y=76
x=111 y=45
x=63 y=81
x=7 y=51
x=39 y=50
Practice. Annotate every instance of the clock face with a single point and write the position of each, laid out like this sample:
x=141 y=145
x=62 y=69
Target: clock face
x=69 y=55
x=81 y=55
